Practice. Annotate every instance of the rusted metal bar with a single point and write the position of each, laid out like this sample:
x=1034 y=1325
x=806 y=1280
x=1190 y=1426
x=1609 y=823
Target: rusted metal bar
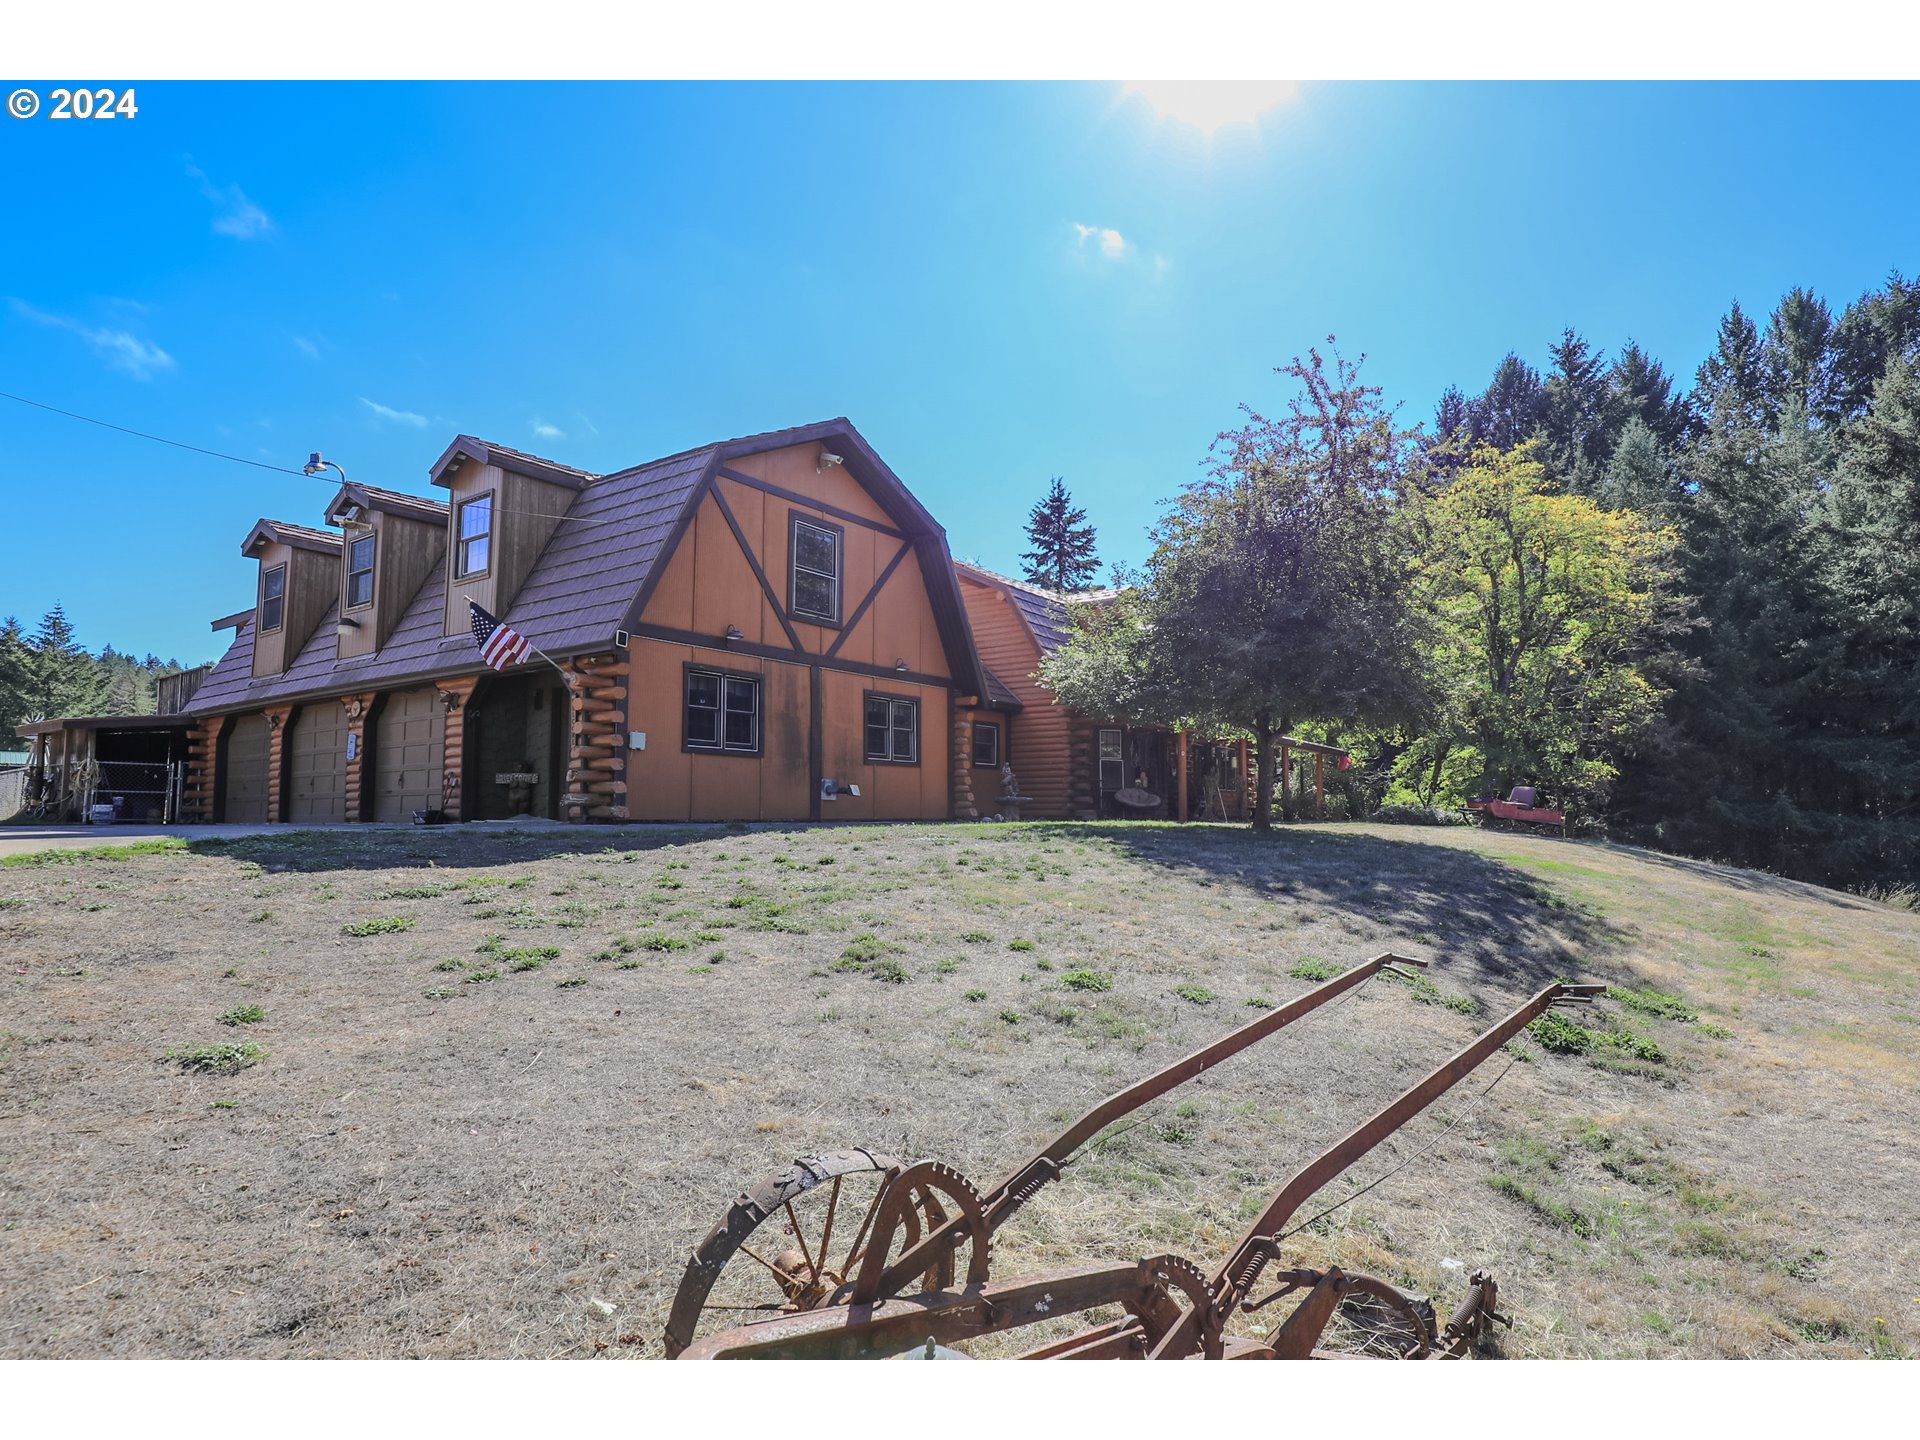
x=1011 y=1193
x=892 y=1325
x=1235 y=1278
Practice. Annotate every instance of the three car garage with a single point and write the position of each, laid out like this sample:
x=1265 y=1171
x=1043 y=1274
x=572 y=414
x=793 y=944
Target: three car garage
x=400 y=769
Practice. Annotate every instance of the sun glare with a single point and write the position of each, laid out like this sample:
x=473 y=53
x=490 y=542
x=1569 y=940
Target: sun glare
x=1209 y=105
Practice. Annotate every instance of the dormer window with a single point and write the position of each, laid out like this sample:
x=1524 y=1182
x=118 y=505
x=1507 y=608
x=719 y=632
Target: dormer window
x=273 y=598
x=814 y=588
x=473 y=545
x=360 y=572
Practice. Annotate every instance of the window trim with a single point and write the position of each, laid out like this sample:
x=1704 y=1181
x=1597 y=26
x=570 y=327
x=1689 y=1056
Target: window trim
x=281 y=571
x=346 y=593
x=795 y=519
x=1100 y=761
x=688 y=669
x=894 y=698
x=460 y=541
x=974 y=740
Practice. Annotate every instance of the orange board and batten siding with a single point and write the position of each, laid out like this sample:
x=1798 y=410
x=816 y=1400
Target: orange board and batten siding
x=1041 y=749
x=708 y=586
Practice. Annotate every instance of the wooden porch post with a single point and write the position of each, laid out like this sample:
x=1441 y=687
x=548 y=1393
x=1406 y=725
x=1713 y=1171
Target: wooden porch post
x=1180 y=772
x=1319 y=787
x=1246 y=783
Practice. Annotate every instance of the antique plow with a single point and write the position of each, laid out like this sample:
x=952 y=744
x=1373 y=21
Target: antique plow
x=895 y=1282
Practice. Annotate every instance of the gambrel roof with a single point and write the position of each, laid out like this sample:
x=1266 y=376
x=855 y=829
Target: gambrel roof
x=595 y=574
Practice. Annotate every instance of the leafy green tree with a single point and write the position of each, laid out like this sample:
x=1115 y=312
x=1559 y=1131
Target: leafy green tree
x=1062 y=557
x=1549 y=608
x=1278 y=590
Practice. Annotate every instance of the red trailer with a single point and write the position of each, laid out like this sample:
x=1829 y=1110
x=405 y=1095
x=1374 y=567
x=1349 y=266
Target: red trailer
x=1521 y=808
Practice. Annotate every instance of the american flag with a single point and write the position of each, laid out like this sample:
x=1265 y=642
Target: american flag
x=500 y=645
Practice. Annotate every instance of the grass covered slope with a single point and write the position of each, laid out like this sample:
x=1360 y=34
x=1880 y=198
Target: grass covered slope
x=438 y=1093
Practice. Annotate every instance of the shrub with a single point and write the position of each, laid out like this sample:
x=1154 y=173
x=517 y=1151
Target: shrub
x=1416 y=815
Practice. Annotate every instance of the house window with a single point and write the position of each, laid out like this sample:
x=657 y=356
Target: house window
x=986 y=746
x=814 y=590
x=1113 y=770
x=893 y=730
x=360 y=572
x=475 y=545
x=723 y=712
x=273 y=597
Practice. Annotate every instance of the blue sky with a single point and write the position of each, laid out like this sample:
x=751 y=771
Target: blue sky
x=998 y=283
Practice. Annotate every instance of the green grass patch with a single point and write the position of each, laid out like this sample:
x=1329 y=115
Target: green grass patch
x=34 y=859
x=1655 y=1002
x=1020 y=945
x=572 y=982
x=975 y=995
x=228 y=1059
x=1308 y=968
x=242 y=1015
x=482 y=977
x=390 y=925
x=1095 y=980
x=976 y=937
x=1194 y=994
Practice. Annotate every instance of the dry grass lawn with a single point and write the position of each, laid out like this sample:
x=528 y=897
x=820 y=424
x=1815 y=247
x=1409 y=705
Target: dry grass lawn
x=505 y=1075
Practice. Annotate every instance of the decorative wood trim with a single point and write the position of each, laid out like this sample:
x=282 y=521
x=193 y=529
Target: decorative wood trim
x=816 y=743
x=681 y=524
x=766 y=587
x=811 y=502
x=860 y=613
x=774 y=652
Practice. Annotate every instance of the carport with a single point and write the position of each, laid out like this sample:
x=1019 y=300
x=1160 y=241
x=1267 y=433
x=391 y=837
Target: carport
x=135 y=763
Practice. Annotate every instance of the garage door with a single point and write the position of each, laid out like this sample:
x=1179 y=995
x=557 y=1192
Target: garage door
x=408 y=753
x=243 y=791
x=317 y=765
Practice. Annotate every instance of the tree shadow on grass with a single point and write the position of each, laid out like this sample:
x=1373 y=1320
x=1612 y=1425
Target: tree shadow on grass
x=456 y=847
x=1453 y=905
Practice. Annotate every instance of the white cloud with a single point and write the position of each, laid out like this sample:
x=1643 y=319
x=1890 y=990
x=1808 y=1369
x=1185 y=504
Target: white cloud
x=1112 y=243
x=586 y=424
x=387 y=412
x=239 y=216
x=548 y=432
x=121 y=349
x=306 y=347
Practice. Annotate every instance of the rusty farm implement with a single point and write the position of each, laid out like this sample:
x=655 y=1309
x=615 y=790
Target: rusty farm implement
x=879 y=1270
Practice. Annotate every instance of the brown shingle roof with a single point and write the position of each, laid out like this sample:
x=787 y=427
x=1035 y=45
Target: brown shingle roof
x=285 y=532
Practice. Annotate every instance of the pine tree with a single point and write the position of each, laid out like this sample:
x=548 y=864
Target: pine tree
x=16 y=676
x=1062 y=557
x=1573 y=414
x=63 y=678
x=1639 y=476
x=1638 y=388
x=1795 y=359
x=1730 y=391
x=1509 y=411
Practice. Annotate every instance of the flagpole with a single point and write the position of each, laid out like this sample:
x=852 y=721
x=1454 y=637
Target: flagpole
x=567 y=676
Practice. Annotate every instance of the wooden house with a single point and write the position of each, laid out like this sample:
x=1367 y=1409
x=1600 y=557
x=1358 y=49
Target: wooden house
x=1073 y=766
x=767 y=628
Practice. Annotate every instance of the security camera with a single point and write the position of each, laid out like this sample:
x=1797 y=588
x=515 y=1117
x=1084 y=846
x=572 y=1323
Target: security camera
x=828 y=459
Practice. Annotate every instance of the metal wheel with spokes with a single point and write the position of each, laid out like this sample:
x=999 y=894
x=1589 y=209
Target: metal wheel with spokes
x=795 y=1242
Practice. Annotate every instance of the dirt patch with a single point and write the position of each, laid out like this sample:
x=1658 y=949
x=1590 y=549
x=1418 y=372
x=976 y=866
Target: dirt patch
x=472 y=1132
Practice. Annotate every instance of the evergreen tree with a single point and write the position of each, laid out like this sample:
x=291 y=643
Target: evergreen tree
x=1510 y=410
x=16 y=676
x=1062 y=557
x=62 y=678
x=1730 y=391
x=1639 y=389
x=1877 y=328
x=1795 y=359
x=1573 y=414
x=1639 y=476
